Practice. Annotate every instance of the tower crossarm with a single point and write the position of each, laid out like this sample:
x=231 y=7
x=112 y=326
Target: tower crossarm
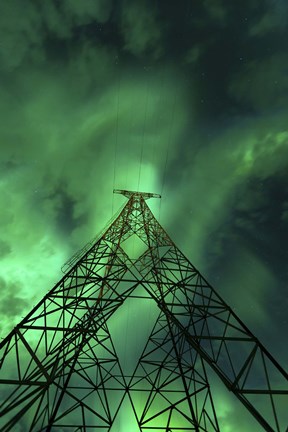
x=128 y=194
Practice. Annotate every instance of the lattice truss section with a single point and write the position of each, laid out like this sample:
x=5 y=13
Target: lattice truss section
x=60 y=370
x=169 y=387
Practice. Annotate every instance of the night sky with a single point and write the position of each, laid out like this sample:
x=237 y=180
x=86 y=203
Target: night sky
x=188 y=99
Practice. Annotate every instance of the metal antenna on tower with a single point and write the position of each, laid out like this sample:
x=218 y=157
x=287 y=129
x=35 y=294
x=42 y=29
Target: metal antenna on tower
x=60 y=369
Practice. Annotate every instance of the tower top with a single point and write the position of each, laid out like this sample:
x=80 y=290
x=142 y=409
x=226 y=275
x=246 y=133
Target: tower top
x=128 y=194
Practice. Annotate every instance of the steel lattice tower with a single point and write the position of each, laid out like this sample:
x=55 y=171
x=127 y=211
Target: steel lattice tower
x=60 y=370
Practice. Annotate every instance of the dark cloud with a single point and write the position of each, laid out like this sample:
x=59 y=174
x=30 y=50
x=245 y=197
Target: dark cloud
x=5 y=249
x=273 y=19
x=93 y=64
x=141 y=29
x=59 y=206
x=262 y=84
x=284 y=215
x=216 y=9
x=25 y=37
x=62 y=19
x=86 y=11
x=256 y=221
x=19 y=33
x=11 y=305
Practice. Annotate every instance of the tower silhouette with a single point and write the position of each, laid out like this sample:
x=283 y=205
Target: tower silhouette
x=60 y=369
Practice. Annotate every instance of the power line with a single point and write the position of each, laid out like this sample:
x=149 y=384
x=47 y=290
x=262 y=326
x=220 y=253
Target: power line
x=171 y=125
x=143 y=132
x=169 y=144
x=116 y=139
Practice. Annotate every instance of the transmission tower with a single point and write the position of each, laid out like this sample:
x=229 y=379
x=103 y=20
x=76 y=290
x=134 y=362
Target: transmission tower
x=60 y=370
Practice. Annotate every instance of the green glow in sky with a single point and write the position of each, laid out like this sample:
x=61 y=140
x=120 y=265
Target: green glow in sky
x=189 y=101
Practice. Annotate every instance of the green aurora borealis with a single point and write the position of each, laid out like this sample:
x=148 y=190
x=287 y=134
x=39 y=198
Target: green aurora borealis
x=198 y=91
